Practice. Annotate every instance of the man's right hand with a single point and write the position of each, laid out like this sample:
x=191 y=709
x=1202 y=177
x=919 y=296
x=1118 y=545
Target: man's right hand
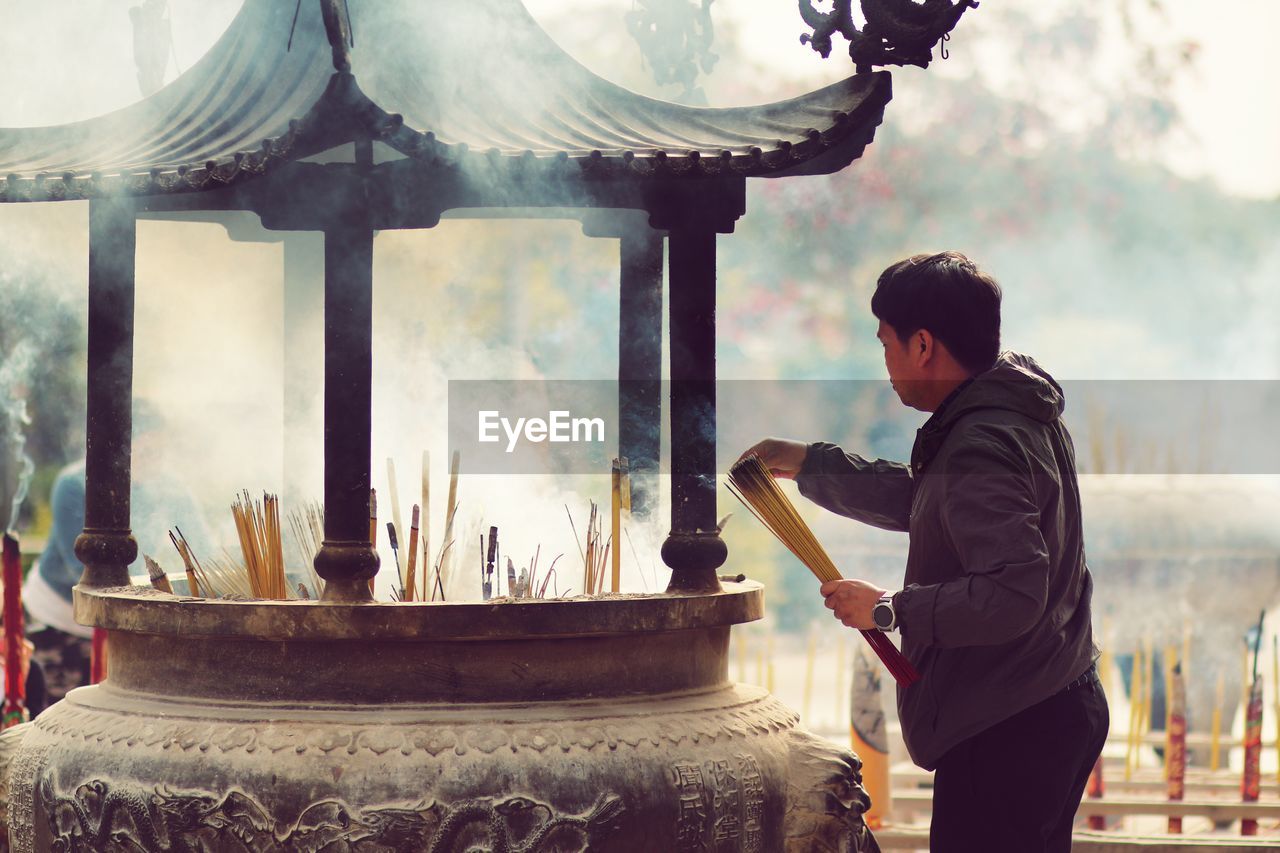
x=782 y=456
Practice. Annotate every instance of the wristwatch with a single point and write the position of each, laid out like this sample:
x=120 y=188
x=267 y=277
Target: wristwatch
x=883 y=614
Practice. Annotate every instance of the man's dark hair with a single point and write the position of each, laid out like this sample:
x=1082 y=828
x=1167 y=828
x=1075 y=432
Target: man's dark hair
x=947 y=294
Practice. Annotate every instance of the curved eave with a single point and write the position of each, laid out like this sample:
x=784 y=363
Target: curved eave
x=822 y=132
x=236 y=114
x=250 y=106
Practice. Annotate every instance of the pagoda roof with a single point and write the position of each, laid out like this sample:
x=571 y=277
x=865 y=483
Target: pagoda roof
x=482 y=87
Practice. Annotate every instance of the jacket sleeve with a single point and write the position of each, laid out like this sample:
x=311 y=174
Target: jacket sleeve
x=875 y=492
x=991 y=516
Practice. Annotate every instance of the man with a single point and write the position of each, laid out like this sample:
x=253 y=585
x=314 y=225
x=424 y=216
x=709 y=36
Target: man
x=995 y=609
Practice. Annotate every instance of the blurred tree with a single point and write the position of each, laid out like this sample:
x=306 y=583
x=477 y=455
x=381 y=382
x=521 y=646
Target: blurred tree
x=42 y=347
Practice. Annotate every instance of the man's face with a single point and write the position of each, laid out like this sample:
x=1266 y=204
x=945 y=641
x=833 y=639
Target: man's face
x=902 y=368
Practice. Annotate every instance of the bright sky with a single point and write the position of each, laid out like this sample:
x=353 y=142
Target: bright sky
x=1231 y=104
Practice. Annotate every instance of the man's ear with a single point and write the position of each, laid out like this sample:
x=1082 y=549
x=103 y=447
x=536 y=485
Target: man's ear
x=925 y=345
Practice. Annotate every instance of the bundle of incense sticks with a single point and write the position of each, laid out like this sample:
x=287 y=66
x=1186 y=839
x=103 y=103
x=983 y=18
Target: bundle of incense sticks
x=751 y=482
x=595 y=555
x=156 y=575
x=620 y=501
x=258 y=524
x=15 y=681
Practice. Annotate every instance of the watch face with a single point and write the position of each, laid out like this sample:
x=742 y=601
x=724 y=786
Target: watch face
x=882 y=615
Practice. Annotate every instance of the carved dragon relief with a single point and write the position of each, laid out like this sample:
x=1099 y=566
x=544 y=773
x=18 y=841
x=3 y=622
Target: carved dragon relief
x=897 y=32
x=100 y=816
x=825 y=798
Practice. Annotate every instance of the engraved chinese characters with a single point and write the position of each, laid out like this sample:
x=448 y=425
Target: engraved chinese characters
x=721 y=805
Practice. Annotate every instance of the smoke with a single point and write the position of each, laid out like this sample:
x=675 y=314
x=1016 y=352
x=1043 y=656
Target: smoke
x=234 y=364
x=16 y=466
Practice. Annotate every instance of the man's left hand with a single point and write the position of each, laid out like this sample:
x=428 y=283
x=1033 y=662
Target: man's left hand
x=852 y=601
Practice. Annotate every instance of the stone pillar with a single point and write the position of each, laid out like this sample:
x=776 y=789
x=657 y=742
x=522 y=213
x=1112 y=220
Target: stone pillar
x=347 y=561
x=107 y=547
x=693 y=549
x=640 y=361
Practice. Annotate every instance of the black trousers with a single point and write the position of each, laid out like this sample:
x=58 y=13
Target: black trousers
x=1015 y=787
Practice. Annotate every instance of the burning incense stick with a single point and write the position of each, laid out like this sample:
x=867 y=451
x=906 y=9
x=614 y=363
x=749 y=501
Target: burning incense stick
x=1149 y=685
x=1251 y=783
x=410 y=579
x=1215 y=730
x=394 y=521
x=451 y=510
x=15 y=681
x=1135 y=716
x=751 y=482
x=546 y=580
x=491 y=556
x=425 y=522
x=373 y=526
x=1176 y=755
x=1170 y=662
x=615 y=521
x=531 y=580
x=395 y=555
x=1275 y=692
x=180 y=542
x=445 y=559
x=159 y=579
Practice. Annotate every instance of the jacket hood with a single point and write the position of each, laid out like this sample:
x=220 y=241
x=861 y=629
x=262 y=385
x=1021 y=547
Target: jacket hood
x=1015 y=383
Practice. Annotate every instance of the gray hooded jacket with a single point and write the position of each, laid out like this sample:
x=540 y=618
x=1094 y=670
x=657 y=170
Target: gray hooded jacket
x=995 y=609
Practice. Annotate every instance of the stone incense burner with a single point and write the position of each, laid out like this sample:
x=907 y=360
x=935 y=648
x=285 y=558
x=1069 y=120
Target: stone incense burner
x=571 y=725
